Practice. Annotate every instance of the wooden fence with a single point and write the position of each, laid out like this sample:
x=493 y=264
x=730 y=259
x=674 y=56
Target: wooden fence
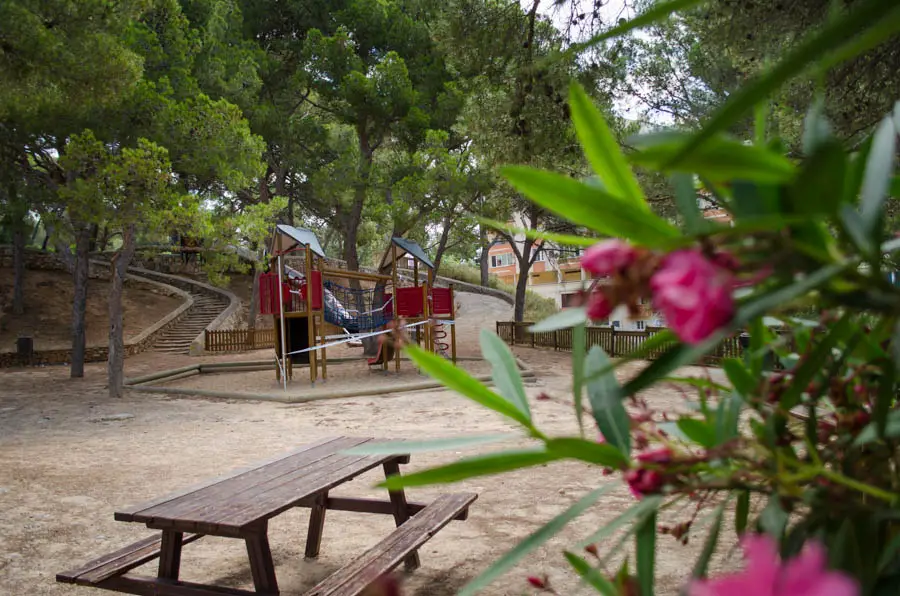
x=613 y=341
x=238 y=340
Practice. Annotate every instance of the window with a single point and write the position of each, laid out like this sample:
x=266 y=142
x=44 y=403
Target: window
x=503 y=259
x=616 y=324
x=571 y=299
x=541 y=255
x=639 y=325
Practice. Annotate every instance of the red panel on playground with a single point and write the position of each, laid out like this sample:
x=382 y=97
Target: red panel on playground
x=441 y=301
x=410 y=302
x=315 y=277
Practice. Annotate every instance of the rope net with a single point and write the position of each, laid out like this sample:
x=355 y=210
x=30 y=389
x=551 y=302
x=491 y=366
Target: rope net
x=357 y=311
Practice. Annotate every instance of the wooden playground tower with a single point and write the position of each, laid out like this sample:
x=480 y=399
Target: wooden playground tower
x=306 y=304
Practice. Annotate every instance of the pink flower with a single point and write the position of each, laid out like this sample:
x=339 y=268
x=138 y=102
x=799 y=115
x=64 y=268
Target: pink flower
x=662 y=455
x=608 y=257
x=599 y=306
x=694 y=294
x=804 y=575
x=643 y=482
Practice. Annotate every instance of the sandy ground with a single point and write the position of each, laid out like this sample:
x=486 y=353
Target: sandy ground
x=69 y=456
x=48 y=310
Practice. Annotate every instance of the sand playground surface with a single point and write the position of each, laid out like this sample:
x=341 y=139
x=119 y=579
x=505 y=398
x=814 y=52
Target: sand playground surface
x=70 y=456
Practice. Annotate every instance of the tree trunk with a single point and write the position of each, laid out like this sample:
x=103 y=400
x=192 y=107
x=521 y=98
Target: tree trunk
x=442 y=243
x=254 y=306
x=18 y=305
x=46 y=241
x=115 y=364
x=79 y=304
x=521 y=288
x=484 y=260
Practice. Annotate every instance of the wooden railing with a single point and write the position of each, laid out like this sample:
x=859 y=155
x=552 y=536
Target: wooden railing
x=613 y=341
x=238 y=340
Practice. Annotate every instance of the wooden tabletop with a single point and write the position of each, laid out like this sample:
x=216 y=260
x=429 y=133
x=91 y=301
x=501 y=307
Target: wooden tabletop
x=227 y=506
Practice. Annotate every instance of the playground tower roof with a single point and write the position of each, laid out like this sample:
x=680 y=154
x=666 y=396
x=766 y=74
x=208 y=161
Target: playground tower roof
x=413 y=248
x=301 y=236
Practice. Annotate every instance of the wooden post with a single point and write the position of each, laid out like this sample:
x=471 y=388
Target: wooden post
x=612 y=342
x=170 y=554
x=316 y=525
x=401 y=509
x=453 y=324
x=284 y=359
x=399 y=331
x=310 y=321
x=556 y=340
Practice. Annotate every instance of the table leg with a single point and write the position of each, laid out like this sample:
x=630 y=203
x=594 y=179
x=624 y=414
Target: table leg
x=170 y=554
x=261 y=565
x=401 y=510
x=316 y=526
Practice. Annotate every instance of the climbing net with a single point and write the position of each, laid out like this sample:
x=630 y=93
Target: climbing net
x=357 y=311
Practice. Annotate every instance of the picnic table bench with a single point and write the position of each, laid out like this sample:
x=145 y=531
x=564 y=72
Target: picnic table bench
x=240 y=506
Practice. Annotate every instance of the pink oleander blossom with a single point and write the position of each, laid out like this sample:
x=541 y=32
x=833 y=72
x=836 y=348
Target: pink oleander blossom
x=642 y=482
x=608 y=257
x=764 y=575
x=694 y=294
x=599 y=306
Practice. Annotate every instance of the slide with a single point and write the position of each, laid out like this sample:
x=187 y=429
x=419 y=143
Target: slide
x=385 y=352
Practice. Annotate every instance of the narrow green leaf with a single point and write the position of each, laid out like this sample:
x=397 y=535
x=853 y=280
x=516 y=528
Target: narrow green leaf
x=742 y=512
x=605 y=395
x=533 y=541
x=698 y=382
x=473 y=467
x=657 y=12
x=564 y=319
x=579 y=342
x=593 y=577
x=878 y=174
x=728 y=413
x=602 y=454
x=868 y=24
x=856 y=230
x=718 y=160
x=856 y=171
x=645 y=545
x=590 y=207
x=814 y=191
x=889 y=554
x=406 y=447
x=686 y=201
x=773 y=518
x=698 y=431
x=886 y=396
x=782 y=296
x=637 y=513
x=504 y=370
x=760 y=114
x=739 y=377
x=813 y=365
x=816 y=128
x=675 y=357
x=709 y=546
x=561 y=239
x=601 y=148
x=463 y=383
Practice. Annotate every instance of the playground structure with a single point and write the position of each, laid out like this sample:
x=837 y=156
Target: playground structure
x=312 y=311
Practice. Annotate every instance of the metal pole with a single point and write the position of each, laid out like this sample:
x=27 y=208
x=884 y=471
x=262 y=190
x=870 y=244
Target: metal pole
x=281 y=312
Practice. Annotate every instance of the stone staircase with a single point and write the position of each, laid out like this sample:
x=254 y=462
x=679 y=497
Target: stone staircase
x=178 y=339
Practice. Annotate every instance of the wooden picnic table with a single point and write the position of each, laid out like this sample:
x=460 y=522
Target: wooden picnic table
x=240 y=506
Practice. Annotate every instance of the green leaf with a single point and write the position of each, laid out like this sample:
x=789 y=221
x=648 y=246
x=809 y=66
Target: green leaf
x=709 y=546
x=853 y=225
x=579 y=341
x=813 y=192
x=659 y=11
x=590 y=575
x=675 y=357
x=718 y=160
x=870 y=432
x=868 y=24
x=590 y=207
x=856 y=171
x=698 y=431
x=645 y=545
x=605 y=395
x=814 y=364
x=533 y=541
x=742 y=512
x=751 y=200
x=504 y=370
x=773 y=518
x=601 y=454
x=728 y=413
x=686 y=201
x=570 y=317
x=561 y=239
x=601 y=148
x=771 y=301
x=463 y=383
x=878 y=174
x=760 y=115
x=739 y=377
x=889 y=554
x=816 y=128
x=637 y=512
x=473 y=467
x=406 y=447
